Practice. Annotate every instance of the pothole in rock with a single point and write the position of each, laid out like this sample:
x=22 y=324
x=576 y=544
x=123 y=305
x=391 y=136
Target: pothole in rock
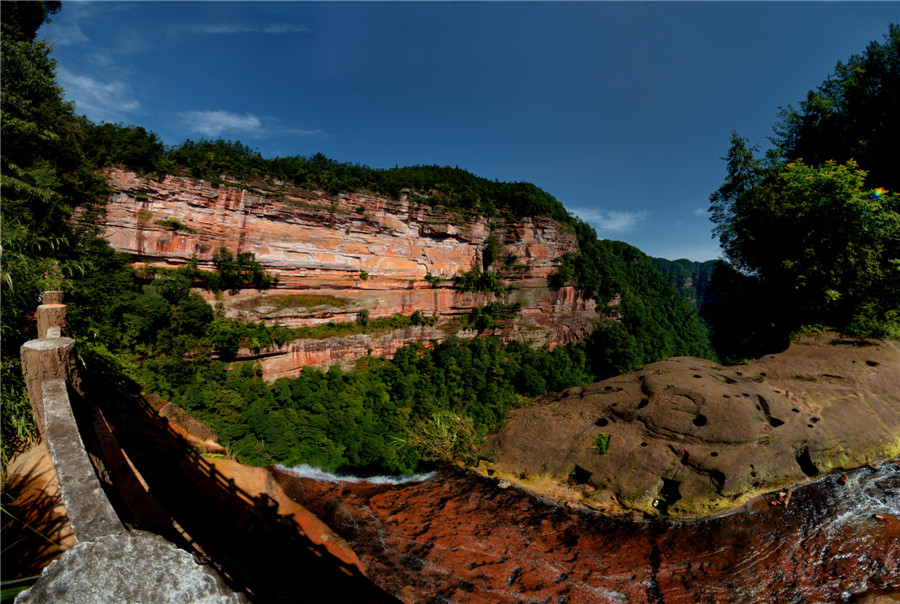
x=644 y=402
x=872 y=363
x=700 y=420
x=806 y=464
x=602 y=422
x=669 y=494
x=775 y=422
x=579 y=475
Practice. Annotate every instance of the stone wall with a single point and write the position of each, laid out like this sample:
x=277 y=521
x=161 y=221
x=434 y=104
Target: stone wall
x=109 y=564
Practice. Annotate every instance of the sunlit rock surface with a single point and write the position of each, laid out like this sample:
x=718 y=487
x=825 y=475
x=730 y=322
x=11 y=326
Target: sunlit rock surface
x=338 y=255
x=688 y=438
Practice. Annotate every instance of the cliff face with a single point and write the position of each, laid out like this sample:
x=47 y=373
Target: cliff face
x=336 y=255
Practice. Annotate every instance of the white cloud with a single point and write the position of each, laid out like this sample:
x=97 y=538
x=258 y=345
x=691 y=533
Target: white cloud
x=213 y=123
x=223 y=28
x=100 y=101
x=700 y=212
x=216 y=122
x=611 y=220
x=64 y=35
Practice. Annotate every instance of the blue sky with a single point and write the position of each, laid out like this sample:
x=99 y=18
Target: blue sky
x=622 y=111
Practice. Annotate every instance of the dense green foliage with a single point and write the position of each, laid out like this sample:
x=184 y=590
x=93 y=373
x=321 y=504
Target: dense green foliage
x=452 y=188
x=132 y=147
x=815 y=241
x=653 y=320
x=825 y=249
x=42 y=177
x=854 y=114
x=688 y=277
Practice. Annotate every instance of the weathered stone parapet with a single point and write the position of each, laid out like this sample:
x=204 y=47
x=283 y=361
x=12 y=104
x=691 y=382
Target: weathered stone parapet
x=129 y=567
x=90 y=513
x=44 y=360
x=109 y=564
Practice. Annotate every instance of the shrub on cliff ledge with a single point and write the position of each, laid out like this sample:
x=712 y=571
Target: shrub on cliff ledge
x=445 y=437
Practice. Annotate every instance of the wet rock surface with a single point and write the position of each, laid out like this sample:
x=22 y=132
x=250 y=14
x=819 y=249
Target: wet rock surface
x=458 y=537
x=687 y=437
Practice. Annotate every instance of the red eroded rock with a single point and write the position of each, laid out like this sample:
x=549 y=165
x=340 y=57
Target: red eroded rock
x=457 y=537
x=336 y=255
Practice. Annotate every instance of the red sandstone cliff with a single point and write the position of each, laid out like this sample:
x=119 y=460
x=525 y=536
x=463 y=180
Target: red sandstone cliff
x=336 y=255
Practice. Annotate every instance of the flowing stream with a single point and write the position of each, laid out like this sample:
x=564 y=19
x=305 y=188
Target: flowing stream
x=457 y=537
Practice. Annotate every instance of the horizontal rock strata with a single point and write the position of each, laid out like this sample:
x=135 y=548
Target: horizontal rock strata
x=337 y=255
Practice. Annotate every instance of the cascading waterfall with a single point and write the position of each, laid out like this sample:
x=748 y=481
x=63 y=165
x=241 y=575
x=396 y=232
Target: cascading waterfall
x=306 y=471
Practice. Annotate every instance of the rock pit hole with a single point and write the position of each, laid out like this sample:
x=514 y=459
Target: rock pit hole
x=806 y=464
x=669 y=493
x=700 y=420
x=579 y=475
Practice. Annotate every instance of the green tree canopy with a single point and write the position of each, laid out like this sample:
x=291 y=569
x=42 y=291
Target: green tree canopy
x=853 y=114
x=825 y=247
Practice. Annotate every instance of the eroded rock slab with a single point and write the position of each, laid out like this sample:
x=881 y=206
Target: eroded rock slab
x=687 y=437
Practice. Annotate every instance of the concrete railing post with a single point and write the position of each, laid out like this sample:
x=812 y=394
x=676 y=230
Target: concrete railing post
x=52 y=313
x=48 y=359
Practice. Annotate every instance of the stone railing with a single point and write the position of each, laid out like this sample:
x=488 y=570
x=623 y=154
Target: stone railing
x=109 y=563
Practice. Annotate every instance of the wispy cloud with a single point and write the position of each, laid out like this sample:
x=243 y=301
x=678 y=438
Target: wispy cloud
x=285 y=28
x=100 y=101
x=216 y=122
x=213 y=123
x=700 y=212
x=611 y=220
x=241 y=28
x=64 y=35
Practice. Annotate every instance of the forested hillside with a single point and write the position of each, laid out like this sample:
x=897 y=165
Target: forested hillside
x=155 y=332
x=689 y=277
